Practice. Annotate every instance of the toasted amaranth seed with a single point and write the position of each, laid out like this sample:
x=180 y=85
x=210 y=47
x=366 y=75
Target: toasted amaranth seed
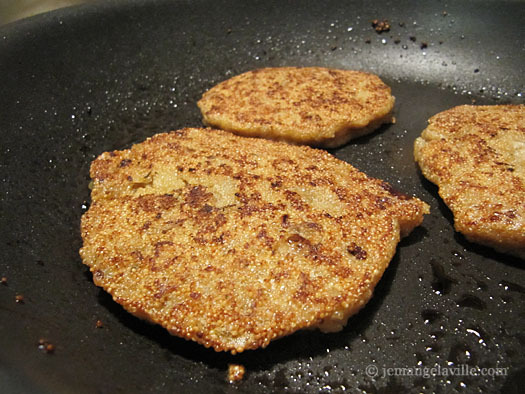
x=309 y=105
x=233 y=242
x=476 y=156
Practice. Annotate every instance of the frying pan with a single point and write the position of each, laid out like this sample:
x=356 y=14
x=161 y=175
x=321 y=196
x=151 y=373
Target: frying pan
x=83 y=80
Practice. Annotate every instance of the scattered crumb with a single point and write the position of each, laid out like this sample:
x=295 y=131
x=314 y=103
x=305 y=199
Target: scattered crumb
x=19 y=298
x=3 y=281
x=445 y=13
x=412 y=38
x=368 y=41
x=46 y=346
x=397 y=41
x=235 y=372
x=424 y=45
x=99 y=324
x=380 y=26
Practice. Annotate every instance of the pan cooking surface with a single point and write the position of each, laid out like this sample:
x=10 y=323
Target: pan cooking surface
x=99 y=77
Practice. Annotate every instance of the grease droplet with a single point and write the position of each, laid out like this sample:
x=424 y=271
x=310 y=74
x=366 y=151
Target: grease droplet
x=470 y=301
x=430 y=316
x=442 y=282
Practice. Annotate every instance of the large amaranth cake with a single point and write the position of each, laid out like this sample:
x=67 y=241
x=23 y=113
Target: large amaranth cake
x=303 y=105
x=233 y=242
x=476 y=156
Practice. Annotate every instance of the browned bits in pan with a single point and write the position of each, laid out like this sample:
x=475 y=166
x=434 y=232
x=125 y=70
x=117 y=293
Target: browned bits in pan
x=46 y=346
x=381 y=26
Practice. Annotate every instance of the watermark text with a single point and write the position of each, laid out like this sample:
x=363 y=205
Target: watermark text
x=428 y=372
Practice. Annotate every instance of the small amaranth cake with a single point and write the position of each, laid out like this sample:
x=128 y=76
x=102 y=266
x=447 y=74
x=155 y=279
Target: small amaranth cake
x=476 y=156
x=233 y=242
x=309 y=105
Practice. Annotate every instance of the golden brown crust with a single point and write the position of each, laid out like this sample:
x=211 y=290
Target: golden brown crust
x=476 y=155
x=309 y=105
x=233 y=242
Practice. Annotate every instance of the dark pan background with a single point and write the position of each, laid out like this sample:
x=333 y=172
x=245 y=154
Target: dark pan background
x=83 y=80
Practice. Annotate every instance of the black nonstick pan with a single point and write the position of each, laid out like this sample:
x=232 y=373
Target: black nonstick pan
x=448 y=315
